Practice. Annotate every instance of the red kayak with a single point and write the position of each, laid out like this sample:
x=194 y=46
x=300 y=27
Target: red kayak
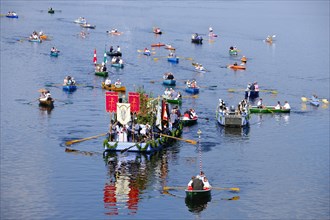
x=158 y=45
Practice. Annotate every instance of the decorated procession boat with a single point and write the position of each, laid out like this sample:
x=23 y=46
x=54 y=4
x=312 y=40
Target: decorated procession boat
x=267 y=109
x=169 y=82
x=230 y=118
x=128 y=140
x=112 y=87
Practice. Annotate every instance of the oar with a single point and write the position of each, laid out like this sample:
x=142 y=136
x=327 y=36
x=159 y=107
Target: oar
x=232 y=198
x=190 y=96
x=203 y=118
x=127 y=148
x=84 y=139
x=32 y=101
x=180 y=139
x=304 y=99
x=235 y=189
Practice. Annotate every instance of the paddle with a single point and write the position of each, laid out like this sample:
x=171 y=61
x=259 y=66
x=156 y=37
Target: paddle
x=261 y=90
x=32 y=101
x=304 y=99
x=127 y=148
x=191 y=96
x=234 y=189
x=84 y=139
x=203 y=118
x=180 y=139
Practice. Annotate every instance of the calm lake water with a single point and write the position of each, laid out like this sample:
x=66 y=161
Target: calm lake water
x=281 y=163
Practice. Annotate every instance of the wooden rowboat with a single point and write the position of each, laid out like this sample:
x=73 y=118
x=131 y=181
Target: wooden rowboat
x=158 y=45
x=112 y=87
x=189 y=122
x=237 y=67
x=46 y=102
x=267 y=109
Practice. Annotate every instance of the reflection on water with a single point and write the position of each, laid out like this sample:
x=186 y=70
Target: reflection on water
x=281 y=118
x=197 y=204
x=45 y=110
x=128 y=176
x=234 y=131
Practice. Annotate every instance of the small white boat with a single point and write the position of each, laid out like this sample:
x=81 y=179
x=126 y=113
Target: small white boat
x=80 y=20
x=87 y=25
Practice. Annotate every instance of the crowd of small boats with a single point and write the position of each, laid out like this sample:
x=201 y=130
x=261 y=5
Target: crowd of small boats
x=162 y=125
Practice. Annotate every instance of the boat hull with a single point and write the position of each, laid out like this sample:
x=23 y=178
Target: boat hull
x=252 y=95
x=69 y=88
x=189 y=122
x=12 y=16
x=112 y=87
x=104 y=74
x=147 y=53
x=158 y=45
x=233 y=52
x=117 y=65
x=54 y=54
x=197 y=41
x=46 y=103
x=267 y=109
x=237 y=67
x=198 y=193
x=144 y=147
x=314 y=103
x=173 y=59
x=114 y=53
x=35 y=40
x=169 y=82
x=232 y=120
x=192 y=90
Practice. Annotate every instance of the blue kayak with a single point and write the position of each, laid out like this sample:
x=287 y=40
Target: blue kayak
x=147 y=53
x=53 y=54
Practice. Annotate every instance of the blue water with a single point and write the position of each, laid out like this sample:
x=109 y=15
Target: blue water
x=281 y=163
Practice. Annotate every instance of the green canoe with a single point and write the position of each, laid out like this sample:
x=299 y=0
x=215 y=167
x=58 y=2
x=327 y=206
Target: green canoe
x=104 y=74
x=267 y=109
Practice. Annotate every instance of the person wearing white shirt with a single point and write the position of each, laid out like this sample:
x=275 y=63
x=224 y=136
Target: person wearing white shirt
x=286 y=105
x=278 y=106
x=206 y=183
x=108 y=82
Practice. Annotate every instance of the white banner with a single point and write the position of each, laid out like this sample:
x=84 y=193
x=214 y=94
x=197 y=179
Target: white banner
x=123 y=113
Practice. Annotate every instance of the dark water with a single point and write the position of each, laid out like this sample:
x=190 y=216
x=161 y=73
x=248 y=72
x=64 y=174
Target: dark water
x=281 y=164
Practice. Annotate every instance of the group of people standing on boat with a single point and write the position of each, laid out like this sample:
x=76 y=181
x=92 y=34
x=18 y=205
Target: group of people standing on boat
x=242 y=108
x=130 y=132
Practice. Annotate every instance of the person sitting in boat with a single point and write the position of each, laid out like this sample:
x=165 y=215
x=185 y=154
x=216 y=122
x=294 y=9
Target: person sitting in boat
x=194 y=36
x=193 y=114
x=188 y=83
x=243 y=59
x=210 y=29
x=170 y=76
x=118 y=49
x=197 y=184
x=189 y=187
x=206 y=184
x=315 y=98
x=193 y=84
x=235 y=64
x=118 y=83
x=166 y=92
x=286 y=105
x=186 y=115
x=111 y=49
x=278 y=106
x=201 y=175
x=178 y=96
x=146 y=50
x=173 y=119
x=114 y=59
x=45 y=95
x=103 y=67
x=53 y=49
x=200 y=67
x=171 y=54
x=120 y=61
x=107 y=82
x=259 y=104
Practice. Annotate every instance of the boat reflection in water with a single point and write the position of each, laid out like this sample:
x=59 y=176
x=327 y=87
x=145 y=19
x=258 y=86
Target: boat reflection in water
x=45 y=110
x=128 y=175
x=234 y=131
x=197 y=204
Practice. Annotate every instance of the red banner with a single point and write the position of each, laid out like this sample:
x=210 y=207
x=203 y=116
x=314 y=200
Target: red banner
x=111 y=99
x=134 y=100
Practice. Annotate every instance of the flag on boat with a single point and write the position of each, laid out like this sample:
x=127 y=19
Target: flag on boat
x=134 y=100
x=123 y=113
x=165 y=114
x=159 y=115
x=94 y=58
x=111 y=99
x=105 y=57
